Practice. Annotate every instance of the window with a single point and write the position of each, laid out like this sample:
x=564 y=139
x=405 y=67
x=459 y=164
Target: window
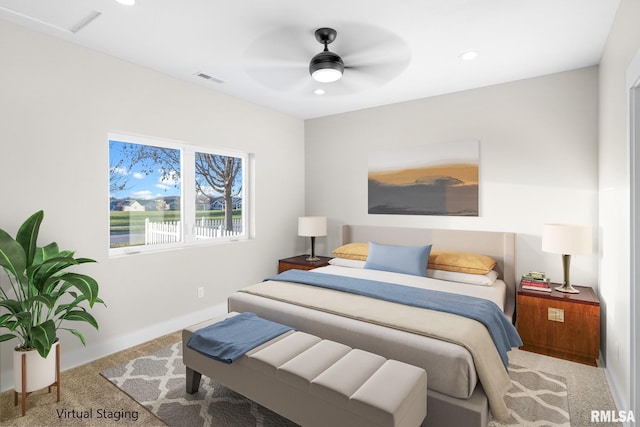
x=167 y=194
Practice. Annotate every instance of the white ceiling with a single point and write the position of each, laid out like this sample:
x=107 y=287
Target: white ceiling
x=260 y=50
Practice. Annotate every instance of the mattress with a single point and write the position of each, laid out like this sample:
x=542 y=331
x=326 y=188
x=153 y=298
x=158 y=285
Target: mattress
x=450 y=366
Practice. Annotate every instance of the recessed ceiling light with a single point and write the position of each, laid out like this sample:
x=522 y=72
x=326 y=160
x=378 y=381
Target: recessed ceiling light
x=468 y=56
x=319 y=91
x=127 y=2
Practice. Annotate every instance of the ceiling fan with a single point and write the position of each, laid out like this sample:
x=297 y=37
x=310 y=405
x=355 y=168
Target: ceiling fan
x=326 y=67
x=283 y=60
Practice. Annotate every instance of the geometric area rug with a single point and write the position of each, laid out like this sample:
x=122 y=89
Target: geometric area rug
x=157 y=382
x=536 y=398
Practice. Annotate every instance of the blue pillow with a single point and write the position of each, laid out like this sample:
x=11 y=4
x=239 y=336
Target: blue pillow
x=399 y=259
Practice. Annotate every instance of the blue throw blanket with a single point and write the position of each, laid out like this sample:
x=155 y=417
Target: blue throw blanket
x=502 y=332
x=229 y=339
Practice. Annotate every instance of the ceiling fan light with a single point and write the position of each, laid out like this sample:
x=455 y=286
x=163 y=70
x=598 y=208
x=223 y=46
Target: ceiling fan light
x=326 y=67
x=326 y=75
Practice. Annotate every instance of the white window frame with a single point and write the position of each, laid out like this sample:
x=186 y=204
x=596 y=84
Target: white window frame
x=188 y=194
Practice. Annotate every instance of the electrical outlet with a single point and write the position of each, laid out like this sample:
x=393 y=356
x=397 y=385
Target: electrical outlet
x=200 y=292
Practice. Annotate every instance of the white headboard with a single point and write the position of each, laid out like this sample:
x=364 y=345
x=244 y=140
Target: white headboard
x=500 y=246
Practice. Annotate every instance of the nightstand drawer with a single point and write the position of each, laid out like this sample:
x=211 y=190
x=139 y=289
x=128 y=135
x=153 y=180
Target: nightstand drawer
x=559 y=327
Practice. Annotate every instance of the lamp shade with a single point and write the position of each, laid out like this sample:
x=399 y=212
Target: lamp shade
x=312 y=226
x=566 y=239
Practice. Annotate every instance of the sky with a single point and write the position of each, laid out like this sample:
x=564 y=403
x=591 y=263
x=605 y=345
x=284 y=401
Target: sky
x=149 y=184
x=139 y=185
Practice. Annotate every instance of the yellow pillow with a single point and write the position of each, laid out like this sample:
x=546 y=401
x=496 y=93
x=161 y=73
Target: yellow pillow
x=358 y=251
x=463 y=262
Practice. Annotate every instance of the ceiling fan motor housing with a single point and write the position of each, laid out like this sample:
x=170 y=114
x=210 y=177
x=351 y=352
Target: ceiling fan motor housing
x=326 y=59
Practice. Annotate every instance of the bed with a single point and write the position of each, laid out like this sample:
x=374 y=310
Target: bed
x=456 y=371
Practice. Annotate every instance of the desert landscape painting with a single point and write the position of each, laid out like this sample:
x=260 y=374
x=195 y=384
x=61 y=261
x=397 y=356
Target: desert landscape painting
x=436 y=179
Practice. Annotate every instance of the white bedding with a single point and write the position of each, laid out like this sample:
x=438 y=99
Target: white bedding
x=496 y=292
x=470 y=349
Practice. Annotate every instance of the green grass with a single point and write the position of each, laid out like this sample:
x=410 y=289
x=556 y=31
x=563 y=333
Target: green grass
x=133 y=222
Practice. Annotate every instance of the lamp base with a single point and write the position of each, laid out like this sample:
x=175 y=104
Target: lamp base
x=313 y=256
x=567 y=289
x=566 y=284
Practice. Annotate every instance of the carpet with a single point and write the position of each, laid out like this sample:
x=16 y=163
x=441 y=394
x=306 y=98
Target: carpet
x=536 y=399
x=157 y=382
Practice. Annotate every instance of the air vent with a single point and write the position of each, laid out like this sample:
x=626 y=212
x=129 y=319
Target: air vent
x=208 y=77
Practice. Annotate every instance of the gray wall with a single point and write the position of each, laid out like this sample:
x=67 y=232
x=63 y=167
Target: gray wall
x=538 y=160
x=614 y=186
x=58 y=102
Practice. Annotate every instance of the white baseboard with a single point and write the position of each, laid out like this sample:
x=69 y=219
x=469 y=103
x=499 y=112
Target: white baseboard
x=615 y=393
x=101 y=349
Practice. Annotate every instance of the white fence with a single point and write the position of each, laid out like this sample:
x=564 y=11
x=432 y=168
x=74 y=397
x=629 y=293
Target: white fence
x=210 y=228
x=171 y=231
x=162 y=232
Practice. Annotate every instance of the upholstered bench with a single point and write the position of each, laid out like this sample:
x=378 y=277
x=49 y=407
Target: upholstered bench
x=316 y=382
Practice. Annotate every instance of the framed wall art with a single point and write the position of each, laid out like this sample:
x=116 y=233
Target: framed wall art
x=435 y=179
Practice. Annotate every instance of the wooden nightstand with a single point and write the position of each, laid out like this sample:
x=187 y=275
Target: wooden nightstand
x=560 y=324
x=300 y=263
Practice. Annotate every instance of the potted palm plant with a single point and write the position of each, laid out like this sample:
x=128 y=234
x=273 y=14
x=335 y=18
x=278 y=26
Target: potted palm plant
x=41 y=296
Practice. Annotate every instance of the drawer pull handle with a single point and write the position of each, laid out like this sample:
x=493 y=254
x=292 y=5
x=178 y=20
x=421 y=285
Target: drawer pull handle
x=555 y=314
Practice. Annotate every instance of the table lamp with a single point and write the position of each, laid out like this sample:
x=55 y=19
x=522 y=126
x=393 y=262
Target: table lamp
x=312 y=226
x=567 y=240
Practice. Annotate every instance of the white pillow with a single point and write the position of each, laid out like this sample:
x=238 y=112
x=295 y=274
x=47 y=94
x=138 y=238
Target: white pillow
x=344 y=262
x=472 y=279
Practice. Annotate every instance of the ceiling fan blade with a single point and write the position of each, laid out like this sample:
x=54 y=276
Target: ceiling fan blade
x=371 y=54
x=276 y=61
x=378 y=73
x=279 y=59
x=362 y=42
x=277 y=77
x=376 y=53
x=362 y=79
x=283 y=45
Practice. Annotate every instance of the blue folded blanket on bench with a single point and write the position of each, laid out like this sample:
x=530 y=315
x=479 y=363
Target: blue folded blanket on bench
x=231 y=338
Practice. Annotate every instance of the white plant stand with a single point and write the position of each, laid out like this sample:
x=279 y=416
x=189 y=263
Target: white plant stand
x=24 y=389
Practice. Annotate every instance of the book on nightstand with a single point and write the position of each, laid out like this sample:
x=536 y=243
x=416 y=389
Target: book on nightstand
x=535 y=281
